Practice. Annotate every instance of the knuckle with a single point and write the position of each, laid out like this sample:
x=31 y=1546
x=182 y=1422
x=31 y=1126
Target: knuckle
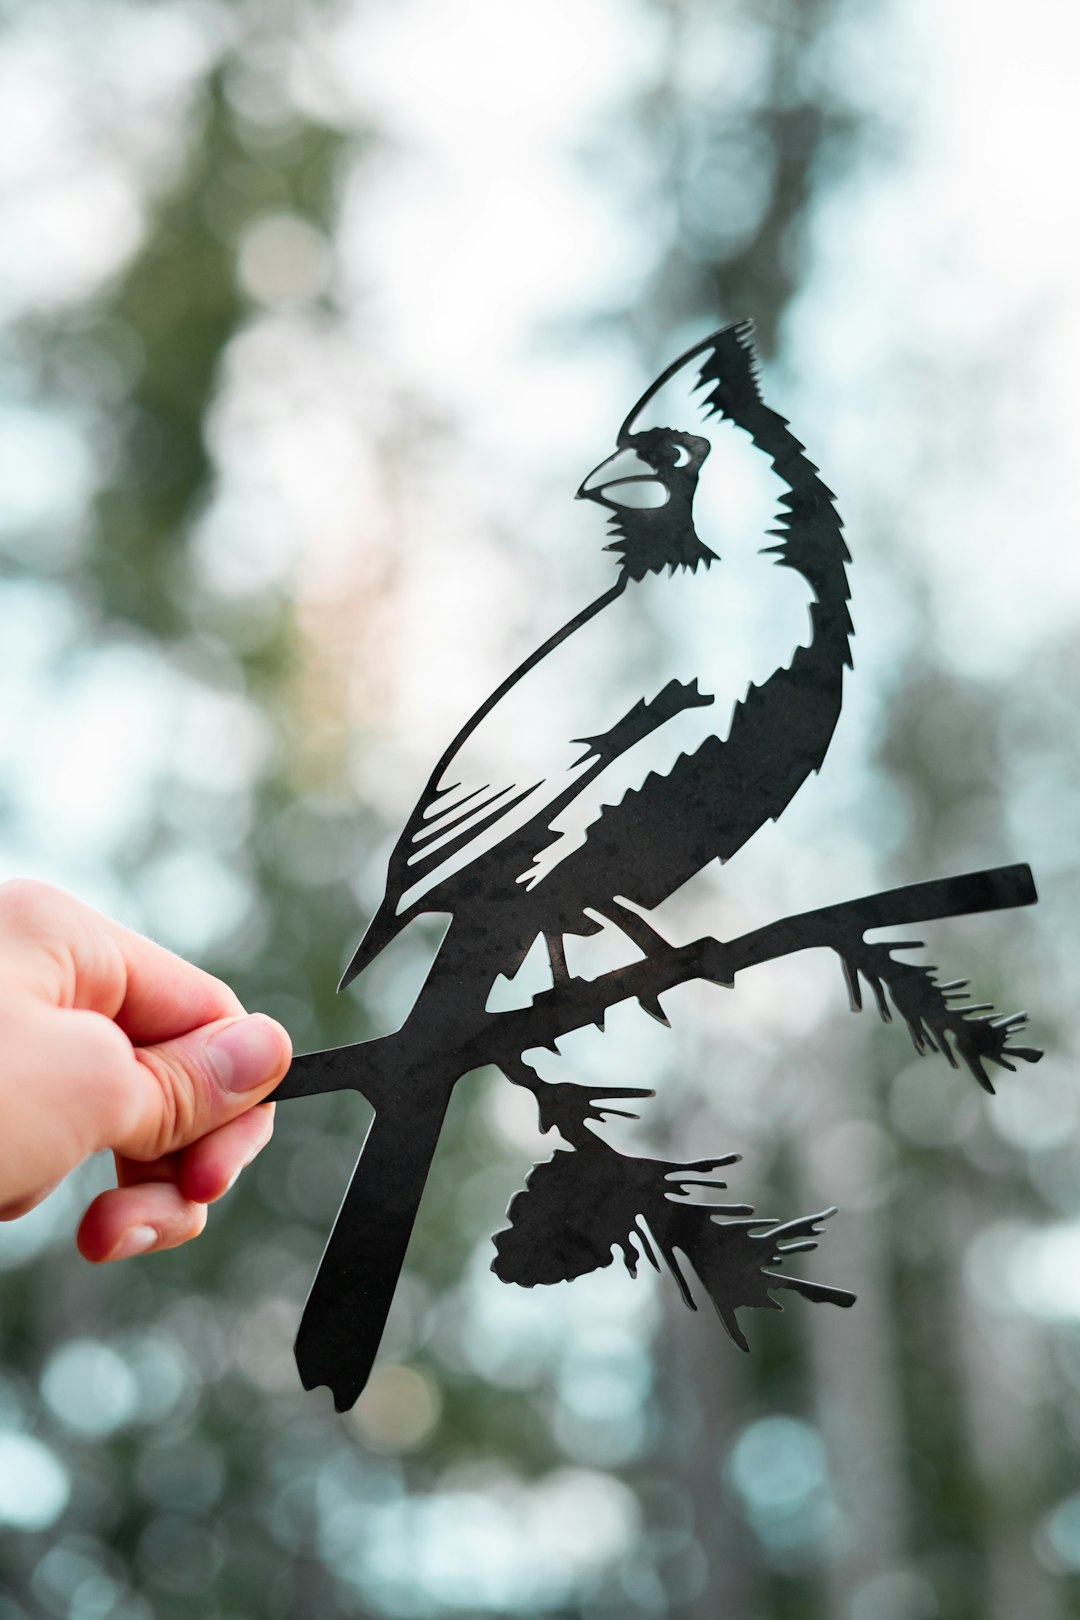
x=54 y=926
x=185 y=1104
x=106 y=1061
x=28 y=903
x=174 y=1108
x=106 y=1051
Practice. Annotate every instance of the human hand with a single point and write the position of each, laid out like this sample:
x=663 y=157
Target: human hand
x=110 y=1041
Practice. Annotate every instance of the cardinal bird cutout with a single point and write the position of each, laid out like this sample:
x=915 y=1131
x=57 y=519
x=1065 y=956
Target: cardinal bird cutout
x=525 y=833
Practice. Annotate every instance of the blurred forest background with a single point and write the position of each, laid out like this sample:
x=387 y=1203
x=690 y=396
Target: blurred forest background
x=316 y=312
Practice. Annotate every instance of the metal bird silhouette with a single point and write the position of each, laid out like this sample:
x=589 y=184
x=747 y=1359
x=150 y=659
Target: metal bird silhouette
x=526 y=831
x=474 y=847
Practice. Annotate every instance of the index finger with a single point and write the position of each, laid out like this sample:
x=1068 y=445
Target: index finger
x=72 y=956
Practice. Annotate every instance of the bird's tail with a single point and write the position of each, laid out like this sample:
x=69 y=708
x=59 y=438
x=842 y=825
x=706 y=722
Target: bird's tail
x=346 y=1311
x=383 y=927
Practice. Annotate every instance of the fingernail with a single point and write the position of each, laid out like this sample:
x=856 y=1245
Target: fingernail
x=136 y=1240
x=245 y=1054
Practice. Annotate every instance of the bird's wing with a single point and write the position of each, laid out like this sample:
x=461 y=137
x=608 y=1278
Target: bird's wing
x=720 y=649
x=519 y=754
x=516 y=754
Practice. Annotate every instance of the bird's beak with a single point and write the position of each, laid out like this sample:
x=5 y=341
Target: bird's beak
x=624 y=480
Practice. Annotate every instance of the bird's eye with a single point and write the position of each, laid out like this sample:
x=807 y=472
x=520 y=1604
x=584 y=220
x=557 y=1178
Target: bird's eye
x=682 y=455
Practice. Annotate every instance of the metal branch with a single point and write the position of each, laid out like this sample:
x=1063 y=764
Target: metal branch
x=374 y=1068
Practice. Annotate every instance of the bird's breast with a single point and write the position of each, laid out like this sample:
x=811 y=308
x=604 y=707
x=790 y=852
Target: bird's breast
x=711 y=631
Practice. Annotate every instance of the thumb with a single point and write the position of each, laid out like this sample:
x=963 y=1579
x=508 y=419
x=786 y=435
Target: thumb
x=202 y=1080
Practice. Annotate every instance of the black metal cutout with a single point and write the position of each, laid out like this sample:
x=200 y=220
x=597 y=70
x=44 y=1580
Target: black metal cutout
x=488 y=855
x=578 y=1208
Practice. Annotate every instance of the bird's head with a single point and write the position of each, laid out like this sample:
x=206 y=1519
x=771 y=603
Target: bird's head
x=648 y=484
x=646 y=469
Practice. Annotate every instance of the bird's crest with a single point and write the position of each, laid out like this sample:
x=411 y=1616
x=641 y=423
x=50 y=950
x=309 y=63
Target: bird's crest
x=725 y=362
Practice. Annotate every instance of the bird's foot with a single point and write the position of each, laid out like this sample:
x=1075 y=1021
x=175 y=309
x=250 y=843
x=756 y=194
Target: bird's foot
x=648 y=940
x=560 y=973
x=644 y=936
